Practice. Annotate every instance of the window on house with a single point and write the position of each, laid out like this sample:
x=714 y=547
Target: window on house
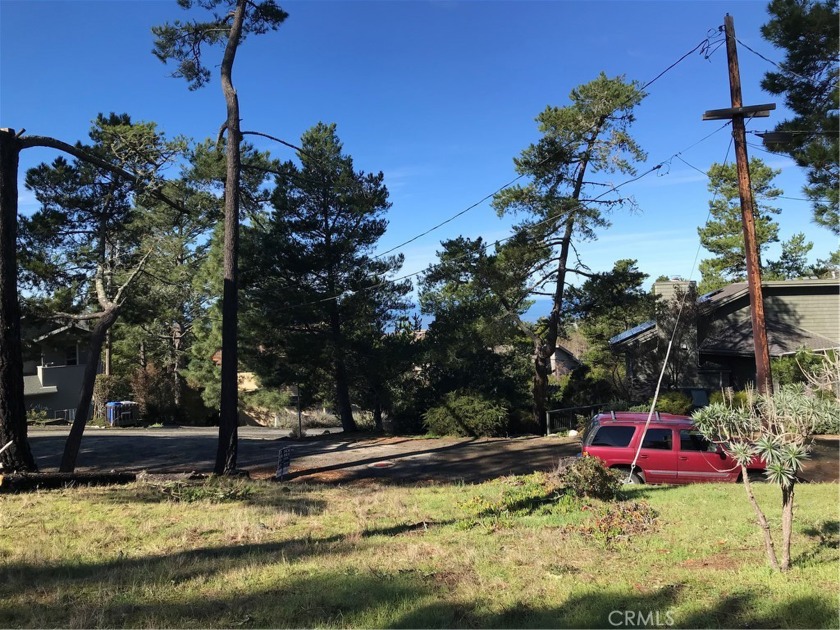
x=71 y=357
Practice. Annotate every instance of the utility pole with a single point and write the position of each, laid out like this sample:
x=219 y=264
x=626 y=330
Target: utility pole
x=764 y=381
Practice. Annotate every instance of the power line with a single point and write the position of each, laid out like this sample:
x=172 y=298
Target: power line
x=704 y=47
x=773 y=63
x=507 y=238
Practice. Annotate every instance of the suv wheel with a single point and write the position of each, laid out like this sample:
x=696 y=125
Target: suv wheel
x=630 y=478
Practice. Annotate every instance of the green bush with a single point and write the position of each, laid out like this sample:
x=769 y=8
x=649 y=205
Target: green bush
x=466 y=414
x=668 y=402
x=37 y=415
x=792 y=369
x=738 y=399
x=674 y=402
x=588 y=477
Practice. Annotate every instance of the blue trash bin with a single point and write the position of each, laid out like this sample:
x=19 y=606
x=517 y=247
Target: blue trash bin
x=112 y=412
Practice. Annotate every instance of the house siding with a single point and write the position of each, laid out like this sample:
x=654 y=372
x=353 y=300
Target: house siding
x=67 y=380
x=818 y=311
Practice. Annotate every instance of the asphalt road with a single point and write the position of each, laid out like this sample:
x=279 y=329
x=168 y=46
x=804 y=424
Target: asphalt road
x=335 y=457
x=329 y=458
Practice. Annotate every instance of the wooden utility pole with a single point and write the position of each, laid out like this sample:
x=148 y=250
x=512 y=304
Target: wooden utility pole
x=764 y=381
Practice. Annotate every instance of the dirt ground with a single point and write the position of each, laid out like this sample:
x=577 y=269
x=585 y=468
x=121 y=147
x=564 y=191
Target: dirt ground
x=450 y=459
x=337 y=458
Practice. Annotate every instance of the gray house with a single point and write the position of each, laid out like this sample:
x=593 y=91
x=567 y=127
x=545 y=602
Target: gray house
x=718 y=350
x=53 y=369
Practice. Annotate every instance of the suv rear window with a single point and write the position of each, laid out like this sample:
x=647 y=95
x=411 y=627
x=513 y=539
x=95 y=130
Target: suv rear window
x=660 y=439
x=694 y=441
x=613 y=436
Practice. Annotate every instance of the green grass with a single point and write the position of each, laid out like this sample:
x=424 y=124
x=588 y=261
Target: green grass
x=500 y=554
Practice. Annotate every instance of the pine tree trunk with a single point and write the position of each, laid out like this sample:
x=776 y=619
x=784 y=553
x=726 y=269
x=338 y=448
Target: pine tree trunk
x=762 y=521
x=226 y=452
x=787 y=523
x=18 y=457
x=377 y=416
x=342 y=397
x=540 y=391
x=97 y=341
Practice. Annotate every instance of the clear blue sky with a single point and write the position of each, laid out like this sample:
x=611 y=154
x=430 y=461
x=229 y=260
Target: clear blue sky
x=438 y=95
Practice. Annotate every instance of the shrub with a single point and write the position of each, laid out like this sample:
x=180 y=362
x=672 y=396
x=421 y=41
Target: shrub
x=106 y=389
x=735 y=399
x=36 y=415
x=214 y=490
x=466 y=414
x=674 y=402
x=620 y=521
x=668 y=402
x=588 y=477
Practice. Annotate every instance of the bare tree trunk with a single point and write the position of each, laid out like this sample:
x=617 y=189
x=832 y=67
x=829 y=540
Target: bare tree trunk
x=342 y=396
x=342 y=381
x=226 y=452
x=377 y=415
x=787 y=523
x=97 y=340
x=543 y=353
x=762 y=521
x=540 y=387
x=18 y=457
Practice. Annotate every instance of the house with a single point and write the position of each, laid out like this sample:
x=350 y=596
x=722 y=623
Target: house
x=563 y=361
x=717 y=348
x=54 y=363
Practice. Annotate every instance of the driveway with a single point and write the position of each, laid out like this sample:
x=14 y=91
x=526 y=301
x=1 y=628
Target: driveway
x=335 y=457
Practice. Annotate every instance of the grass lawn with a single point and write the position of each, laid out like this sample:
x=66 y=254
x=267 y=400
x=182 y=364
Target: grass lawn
x=260 y=554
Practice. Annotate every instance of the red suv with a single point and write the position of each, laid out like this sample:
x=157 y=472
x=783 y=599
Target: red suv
x=673 y=450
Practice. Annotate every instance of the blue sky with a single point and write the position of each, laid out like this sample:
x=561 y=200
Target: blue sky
x=438 y=95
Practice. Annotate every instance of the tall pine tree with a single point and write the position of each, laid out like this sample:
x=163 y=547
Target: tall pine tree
x=312 y=280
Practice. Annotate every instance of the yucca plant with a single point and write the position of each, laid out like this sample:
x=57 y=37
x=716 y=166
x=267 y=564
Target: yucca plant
x=778 y=428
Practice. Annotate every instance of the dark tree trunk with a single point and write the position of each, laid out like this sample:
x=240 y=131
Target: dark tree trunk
x=229 y=404
x=18 y=457
x=342 y=397
x=377 y=415
x=342 y=381
x=540 y=388
x=97 y=341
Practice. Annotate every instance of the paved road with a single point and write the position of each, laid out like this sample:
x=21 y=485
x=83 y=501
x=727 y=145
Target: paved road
x=337 y=458
x=165 y=449
x=331 y=458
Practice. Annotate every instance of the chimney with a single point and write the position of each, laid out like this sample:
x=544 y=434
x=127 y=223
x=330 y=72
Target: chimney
x=668 y=288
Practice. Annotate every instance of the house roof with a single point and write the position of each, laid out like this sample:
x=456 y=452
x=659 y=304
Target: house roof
x=73 y=326
x=633 y=332
x=782 y=339
x=733 y=291
x=720 y=297
x=32 y=387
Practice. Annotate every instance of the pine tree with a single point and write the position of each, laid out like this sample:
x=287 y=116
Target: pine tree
x=312 y=281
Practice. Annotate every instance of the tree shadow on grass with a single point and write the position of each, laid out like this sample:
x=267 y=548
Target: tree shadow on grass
x=827 y=535
x=607 y=609
x=173 y=591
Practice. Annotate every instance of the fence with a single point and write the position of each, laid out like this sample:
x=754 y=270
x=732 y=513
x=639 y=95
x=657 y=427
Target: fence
x=566 y=419
x=68 y=415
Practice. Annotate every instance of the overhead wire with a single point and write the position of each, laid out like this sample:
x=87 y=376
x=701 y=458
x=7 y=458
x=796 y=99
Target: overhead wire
x=500 y=241
x=707 y=47
x=673 y=334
